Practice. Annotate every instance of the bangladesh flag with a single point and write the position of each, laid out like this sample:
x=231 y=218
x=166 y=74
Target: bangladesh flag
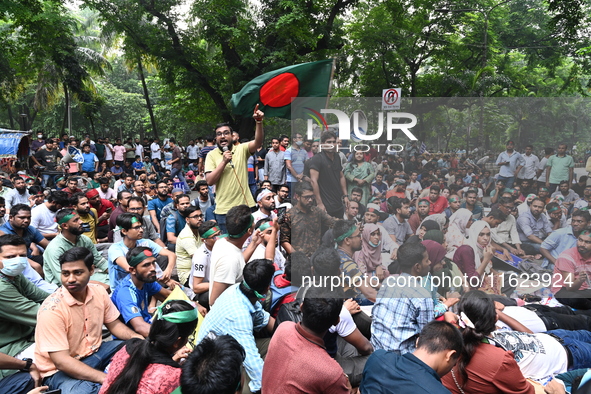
x=275 y=90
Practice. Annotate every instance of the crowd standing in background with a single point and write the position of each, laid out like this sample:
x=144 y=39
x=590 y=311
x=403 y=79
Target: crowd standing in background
x=454 y=272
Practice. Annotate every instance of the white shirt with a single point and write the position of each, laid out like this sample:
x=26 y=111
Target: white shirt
x=192 y=152
x=259 y=253
x=155 y=148
x=110 y=194
x=13 y=198
x=108 y=152
x=43 y=219
x=227 y=263
x=416 y=186
x=542 y=166
x=529 y=169
x=201 y=262
x=139 y=151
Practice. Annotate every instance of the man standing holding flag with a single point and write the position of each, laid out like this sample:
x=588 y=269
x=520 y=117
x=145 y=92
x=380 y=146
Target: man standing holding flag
x=226 y=167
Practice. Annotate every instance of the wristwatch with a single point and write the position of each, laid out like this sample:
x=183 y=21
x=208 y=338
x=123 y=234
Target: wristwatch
x=27 y=367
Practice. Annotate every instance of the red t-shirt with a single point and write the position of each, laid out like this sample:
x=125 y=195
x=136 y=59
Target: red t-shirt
x=438 y=206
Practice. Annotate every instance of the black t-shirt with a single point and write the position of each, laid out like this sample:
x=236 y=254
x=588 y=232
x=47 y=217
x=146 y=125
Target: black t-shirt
x=100 y=151
x=48 y=159
x=329 y=179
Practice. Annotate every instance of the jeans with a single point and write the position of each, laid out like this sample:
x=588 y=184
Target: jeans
x=221 y=220
x=178 y=172
x=508 y=181
x=579 y=344
x=46 y=178
x=18 y=383
x=99 y=360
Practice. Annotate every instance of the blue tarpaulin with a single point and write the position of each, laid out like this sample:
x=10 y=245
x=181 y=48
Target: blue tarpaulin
x=10 y=141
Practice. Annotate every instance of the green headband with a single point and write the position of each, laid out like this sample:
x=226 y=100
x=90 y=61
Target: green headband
x=346 y=235
x=138 y=258
x=553 y=209
x=244 y=231
x=264 y=226
x=211 y=232
x=134 y=220
x=256 y=293
x=66 y=218
x=453 y=199
x=423 y=202
x=586 y=232
x=544 y=189
x=176 y=317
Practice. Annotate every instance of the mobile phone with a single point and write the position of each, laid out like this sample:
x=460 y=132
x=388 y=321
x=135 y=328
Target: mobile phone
x=281 y=214
x=108 y=209
x=56 y=391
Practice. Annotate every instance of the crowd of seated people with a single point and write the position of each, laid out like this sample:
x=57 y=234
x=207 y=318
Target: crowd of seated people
x=306 y=267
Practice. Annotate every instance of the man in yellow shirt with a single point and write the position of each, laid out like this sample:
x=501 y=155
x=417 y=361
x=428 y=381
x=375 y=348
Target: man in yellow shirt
x=88 y=215
x=226 y=168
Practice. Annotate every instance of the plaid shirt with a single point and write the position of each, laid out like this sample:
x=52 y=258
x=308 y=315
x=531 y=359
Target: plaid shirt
x=303 y=230
x=234 y=314
x=400 y=313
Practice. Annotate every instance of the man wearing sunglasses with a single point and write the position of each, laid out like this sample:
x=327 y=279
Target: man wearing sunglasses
x=187 y=243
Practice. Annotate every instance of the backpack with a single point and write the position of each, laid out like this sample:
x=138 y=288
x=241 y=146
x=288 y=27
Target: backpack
x=290 y=311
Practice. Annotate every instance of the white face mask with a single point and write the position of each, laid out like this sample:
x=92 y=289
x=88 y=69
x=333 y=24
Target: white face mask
x=39 y=136
x=14 y=266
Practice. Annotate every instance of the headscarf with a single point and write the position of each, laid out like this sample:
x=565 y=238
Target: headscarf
x=435 y=251
x=472 y=241
x=370 y=256
x=456 y=233
x=440 y=219
x=434 y=235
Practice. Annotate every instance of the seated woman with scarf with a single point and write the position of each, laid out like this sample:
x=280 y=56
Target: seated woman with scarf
x=151 y=365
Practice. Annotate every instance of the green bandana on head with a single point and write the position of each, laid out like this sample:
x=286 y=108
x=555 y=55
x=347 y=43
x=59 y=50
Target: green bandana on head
x=134 y=220
x=138 y=258
x=176 y=317
x=346 y=235
x=211 y=232
x=264 y=226
x=66 y=218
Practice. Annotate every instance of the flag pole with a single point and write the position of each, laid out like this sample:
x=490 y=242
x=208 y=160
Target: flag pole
x=330 y=81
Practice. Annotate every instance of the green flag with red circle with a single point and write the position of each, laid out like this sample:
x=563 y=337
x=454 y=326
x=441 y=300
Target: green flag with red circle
x=275 y=90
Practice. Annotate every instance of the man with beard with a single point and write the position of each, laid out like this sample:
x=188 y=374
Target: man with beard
x=565 y=238
x=43 y=215
x=420 y=214
x=48 y=158
x=266 y=202
x=123 y=200
x=139 y=191
x=175 y=221
x=510 y=163
x=88 y=215
x=187 y=243
x=571 y=265
x=71 y=236
x=104 y=208
x=282 y=198
x=397 y=224
x=18 y=195
x=72 y=187
x=204 y=200
x=352 y=211
x=302 y=228
x=347 y=235
x=533 y=227
x=155 y=205
x=227 y=169
x=569 y=195
x=137 y=205
x=132 y=296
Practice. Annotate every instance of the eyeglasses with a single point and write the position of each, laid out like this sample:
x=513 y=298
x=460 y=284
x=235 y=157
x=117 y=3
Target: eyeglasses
x=196 y=217
x=225 y=134
x=136 y=227
x=311 y=197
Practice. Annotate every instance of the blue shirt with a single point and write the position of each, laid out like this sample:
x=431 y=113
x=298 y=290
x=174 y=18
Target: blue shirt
x=118 y=249
x=559 y=241
x=515 y=160
x=156 y=204
x=133 y=302
x=89 y=160
x=528 y=225
x=30 y=234
x=297 y=157
x=175 y=222
x=389 y=373
x=138 y=166
x=403 y=307
x=235 y=315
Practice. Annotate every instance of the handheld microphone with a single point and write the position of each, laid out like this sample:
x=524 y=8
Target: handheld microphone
x=225 y=149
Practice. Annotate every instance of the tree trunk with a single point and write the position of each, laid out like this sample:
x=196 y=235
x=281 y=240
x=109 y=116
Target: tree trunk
x=67 y=101
x=147 y=96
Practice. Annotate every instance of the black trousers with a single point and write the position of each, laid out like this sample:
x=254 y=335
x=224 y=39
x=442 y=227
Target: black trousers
x=578 y=299
x=561 y=318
